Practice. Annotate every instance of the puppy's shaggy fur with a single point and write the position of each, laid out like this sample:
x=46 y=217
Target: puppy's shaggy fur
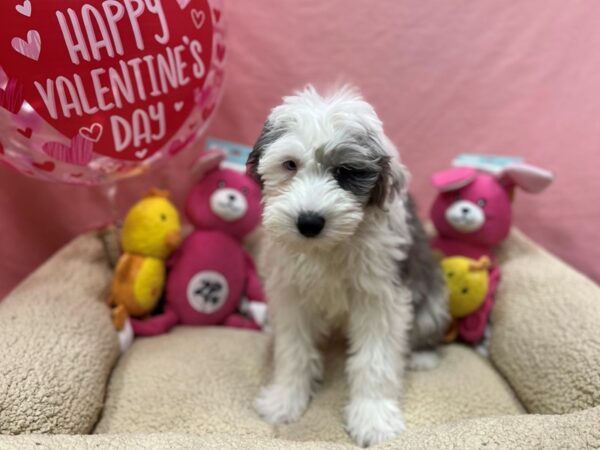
x=344 y=249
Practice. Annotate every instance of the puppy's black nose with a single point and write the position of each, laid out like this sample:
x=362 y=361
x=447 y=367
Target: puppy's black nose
x=310 y=224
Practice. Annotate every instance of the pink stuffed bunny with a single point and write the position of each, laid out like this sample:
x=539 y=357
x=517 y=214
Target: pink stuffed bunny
x=472 y=214
x=211 y=272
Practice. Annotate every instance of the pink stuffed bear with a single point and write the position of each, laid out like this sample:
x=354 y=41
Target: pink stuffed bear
x=472 y=214
x=211 y=272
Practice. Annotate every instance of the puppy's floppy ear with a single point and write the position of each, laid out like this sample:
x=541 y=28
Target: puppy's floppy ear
x=393 y=177
x=267 y=136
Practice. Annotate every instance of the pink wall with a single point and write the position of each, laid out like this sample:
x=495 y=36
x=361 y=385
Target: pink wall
x=446 y=77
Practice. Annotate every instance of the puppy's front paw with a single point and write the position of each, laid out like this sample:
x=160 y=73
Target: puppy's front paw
x=424 y=360
x=280 y=404
x=371 y=422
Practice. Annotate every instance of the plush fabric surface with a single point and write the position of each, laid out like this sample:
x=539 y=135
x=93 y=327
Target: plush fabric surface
x=571 y=431
x=194 y=387
x=546 y=334
x=204 y=380
x=58 y=345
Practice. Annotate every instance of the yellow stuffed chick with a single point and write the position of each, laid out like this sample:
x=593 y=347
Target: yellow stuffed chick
x=468 y=282
x=151 y=232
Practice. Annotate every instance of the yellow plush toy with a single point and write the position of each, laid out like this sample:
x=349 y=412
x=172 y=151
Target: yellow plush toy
x=151 y=232
x=468 y=283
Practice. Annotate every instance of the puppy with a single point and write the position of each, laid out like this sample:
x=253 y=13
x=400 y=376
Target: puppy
x=343 y=250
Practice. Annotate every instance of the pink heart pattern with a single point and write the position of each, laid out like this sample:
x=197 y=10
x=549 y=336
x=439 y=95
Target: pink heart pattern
x=201 y=96
x=30 y=48
x=207 y=112
x=220 y=52
x=217 y=14
x=11 y=98
x=27 y=132
x=47 y=166
x=79 y=153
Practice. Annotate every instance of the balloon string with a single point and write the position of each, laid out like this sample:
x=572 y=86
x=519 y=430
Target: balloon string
x=110 y=192
x=163 y=179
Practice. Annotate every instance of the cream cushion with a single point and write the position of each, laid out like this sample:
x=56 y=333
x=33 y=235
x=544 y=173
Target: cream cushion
x=194 y=387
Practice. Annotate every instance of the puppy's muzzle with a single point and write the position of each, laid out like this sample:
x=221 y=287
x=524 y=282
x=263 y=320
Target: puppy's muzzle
x=310 y=224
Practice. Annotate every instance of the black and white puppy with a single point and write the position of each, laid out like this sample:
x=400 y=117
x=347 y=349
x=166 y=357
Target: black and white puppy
x=343 y=250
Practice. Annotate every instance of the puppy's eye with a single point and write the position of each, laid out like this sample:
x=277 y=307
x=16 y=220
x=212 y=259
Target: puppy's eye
x=482 y=202
x=359 y=182
x=221 y=183
x=348 y=173
x=342 y=173
x=290 y=165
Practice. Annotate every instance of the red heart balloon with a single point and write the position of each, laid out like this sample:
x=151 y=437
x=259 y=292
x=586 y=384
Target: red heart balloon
x=120 y=73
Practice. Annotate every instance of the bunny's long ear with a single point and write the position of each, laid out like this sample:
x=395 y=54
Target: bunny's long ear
x=530 y=178
x=453 y=179
x=208 y=161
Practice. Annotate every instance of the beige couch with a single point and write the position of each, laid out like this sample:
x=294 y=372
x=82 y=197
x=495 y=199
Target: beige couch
x=61 y=377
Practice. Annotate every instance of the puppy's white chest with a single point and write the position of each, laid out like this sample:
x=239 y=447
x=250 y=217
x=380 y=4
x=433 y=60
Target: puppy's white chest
x=326 y=284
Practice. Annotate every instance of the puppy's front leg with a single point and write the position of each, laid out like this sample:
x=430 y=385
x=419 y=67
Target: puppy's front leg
x=297 y=363
x=378 y=335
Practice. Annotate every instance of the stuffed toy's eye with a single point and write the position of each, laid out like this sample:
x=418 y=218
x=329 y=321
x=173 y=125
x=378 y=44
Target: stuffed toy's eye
x=290 y=166
x=482 y=202
x=221 y=183
x=163 y=217
x=245 y=190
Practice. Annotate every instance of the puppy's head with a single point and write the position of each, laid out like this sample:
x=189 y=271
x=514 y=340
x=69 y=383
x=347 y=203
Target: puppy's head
x=323 y=163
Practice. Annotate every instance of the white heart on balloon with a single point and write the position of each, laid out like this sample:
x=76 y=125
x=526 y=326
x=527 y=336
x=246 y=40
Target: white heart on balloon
x=183 y=3
x=198 y=18
x=29 y=48
x=24 y=9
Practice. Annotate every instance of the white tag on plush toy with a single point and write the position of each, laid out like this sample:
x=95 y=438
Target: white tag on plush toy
x=125 y=336
x=257 y=311
x=236 y=154
x=488 y=163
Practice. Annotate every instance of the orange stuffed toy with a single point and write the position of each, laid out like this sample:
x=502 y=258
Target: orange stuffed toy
x=151 y=232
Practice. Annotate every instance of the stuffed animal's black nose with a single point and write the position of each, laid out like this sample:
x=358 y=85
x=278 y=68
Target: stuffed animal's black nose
x=465 y=210
x=310 y=224
x=231 y=197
